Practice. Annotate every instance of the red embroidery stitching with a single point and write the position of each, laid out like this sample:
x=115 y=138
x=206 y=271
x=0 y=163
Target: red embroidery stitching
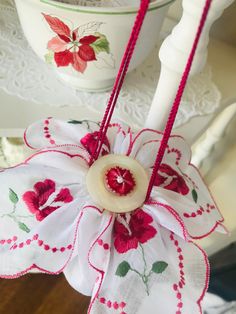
x=36 y=199
x=47 y=134
x=178 y=286
x=113 y=305
x=40 y=243
x=143 y=145
x=200 y=211
x=106 y=246
x=190 y=180
x=177 y=152
x=170 y=179
x=100 y=271
x=8 y=241
x=120 y=129
x=120 y=180
x=35 y=266
x=127 y=235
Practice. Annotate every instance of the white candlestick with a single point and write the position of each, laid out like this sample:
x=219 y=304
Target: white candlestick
x=174 y=53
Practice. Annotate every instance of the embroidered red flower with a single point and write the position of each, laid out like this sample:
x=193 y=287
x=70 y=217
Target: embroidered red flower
x=171 y=180
x=90 y=142
x=43 y=200
x=120 y=180
x=71 y=47
x=130 y=230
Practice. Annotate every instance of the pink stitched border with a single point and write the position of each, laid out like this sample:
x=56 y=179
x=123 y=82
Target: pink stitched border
x=118 y=306
x=34 y=266
x=129 y=150
x=177 y=216
x=157 y=132
x=8 y=241
x=119 y=126
x=42 y=244
x=174 y=214
x=112 y=125
x=47 y=134
x=25 y=162
x=100 y=271
x=207 y=264
x=174 y=151
x=207 y=277
x=177 y=287
x=200 y=211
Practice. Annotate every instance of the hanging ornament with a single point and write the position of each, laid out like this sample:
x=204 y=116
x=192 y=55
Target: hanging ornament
x=116 y=210
x=58 y=213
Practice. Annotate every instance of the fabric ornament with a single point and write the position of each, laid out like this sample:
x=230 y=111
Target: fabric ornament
x=116 y=210
x=50 y=223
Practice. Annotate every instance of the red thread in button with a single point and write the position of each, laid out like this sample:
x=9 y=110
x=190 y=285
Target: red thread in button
x=120 y=180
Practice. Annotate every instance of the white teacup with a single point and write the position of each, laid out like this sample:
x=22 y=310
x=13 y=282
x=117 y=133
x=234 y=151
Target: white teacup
x=86 y=44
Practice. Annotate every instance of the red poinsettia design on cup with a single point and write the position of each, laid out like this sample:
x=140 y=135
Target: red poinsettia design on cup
x=74 y=47
x=171 y=180
x=44 y=199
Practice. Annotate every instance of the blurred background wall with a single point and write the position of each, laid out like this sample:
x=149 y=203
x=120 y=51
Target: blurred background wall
x=223 y=29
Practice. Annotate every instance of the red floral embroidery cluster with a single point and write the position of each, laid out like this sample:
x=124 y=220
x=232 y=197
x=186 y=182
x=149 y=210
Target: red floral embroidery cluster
x=130 y=230
x=42 y=202
x=170 y=179
x=120 y=181
x=90 y=142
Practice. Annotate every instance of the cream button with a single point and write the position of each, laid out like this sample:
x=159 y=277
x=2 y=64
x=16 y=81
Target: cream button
x=117 y=183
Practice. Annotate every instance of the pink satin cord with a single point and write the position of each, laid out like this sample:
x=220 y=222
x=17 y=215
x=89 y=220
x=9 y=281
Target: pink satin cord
x=121 y=76
x=120 y=80
x=175 y=107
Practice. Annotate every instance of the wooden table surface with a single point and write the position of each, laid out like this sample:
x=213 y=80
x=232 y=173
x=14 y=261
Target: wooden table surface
x=40 y=294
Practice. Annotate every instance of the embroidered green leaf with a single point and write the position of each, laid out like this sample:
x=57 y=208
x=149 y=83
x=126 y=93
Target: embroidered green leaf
x=159 y=267
x=23 y=227
x=123 y=269
x=194 y=195
x=13 y=196
x=49 y=57
x=75 y=122
x=101 y=44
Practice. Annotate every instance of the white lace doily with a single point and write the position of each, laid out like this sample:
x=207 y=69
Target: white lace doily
x=23 y=74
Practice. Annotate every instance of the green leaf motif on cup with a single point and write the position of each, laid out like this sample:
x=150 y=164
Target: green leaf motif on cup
x=49 y=57
x=101 y=44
